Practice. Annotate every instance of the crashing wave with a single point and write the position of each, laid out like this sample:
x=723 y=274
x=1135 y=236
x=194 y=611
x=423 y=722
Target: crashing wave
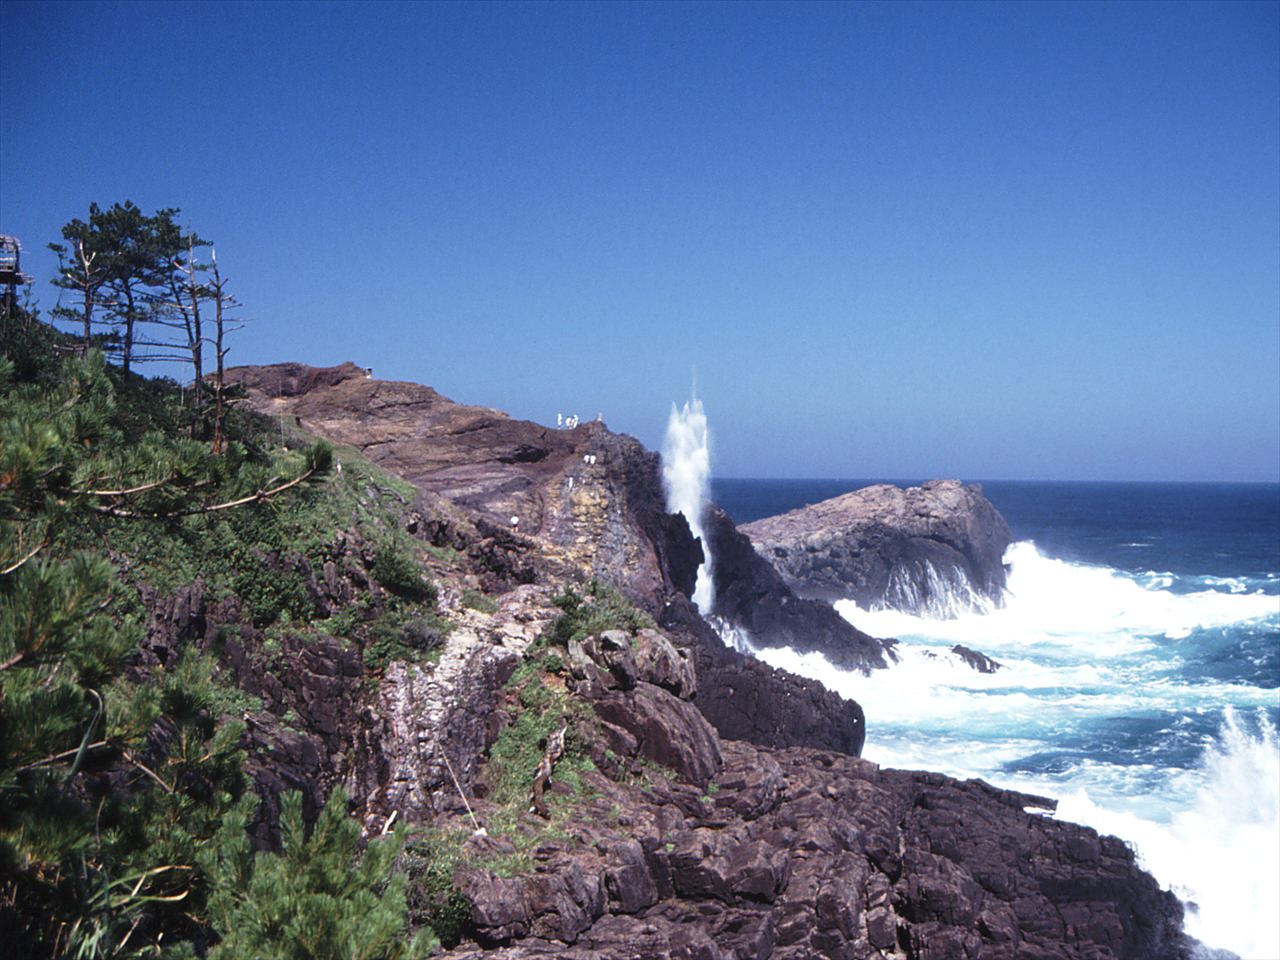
x=686 y=477
x=922 y=589
x=731 y=635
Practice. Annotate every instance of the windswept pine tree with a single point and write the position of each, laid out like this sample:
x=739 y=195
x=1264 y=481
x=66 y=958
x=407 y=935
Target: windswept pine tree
x=124 y=797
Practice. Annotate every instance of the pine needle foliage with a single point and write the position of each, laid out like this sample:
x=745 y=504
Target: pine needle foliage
x=114 y=784
x=318 y=899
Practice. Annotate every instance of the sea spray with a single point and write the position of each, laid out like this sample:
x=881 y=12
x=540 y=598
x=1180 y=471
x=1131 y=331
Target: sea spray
x=1113 y=697
x=1221 y=853
x=686 y=477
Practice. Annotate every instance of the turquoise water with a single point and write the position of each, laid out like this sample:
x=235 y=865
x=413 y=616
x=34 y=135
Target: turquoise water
x=1140 y=640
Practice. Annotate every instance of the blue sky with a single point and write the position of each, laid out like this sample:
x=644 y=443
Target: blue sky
x=1021 y=241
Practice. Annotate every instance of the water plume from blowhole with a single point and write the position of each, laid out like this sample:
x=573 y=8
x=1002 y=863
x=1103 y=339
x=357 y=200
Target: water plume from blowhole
x=686 y=480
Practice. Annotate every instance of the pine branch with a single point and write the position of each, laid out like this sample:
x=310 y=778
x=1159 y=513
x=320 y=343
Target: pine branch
x=16 y=565
x=261 y=496
x=59 y=757
x=147 y=770
x=132 y=490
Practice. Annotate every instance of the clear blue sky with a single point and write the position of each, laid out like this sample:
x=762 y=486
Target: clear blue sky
x=1013 y=241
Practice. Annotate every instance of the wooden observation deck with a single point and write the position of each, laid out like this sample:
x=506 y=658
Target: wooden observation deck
x=11 y=275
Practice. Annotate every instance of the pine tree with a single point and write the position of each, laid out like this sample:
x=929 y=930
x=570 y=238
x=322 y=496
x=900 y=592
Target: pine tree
x=318 y=899
x=112 y=785
x=126 y=265
x=109 y=786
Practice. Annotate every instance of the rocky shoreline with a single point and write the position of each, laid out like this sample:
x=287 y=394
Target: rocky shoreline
x=720 y=809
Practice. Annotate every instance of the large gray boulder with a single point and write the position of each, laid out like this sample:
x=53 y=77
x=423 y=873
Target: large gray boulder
x=935 y=549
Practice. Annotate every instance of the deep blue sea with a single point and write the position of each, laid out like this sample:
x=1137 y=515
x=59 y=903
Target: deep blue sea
x=1140 y=639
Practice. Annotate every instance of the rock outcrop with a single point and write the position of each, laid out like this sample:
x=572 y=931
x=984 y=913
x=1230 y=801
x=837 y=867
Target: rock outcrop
x=752 y=596
x=721 y=811
x=936 y=549
x=581 y=496
x=575 y=503
x=796 y=854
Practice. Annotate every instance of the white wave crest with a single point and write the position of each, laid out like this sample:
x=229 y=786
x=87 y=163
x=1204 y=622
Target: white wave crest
x=1220 y=853
x=1093 y=610
x=924 y=590
x=1081 y=645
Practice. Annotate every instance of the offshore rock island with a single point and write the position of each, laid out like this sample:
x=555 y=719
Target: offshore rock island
x=935 y=549
x=707 y=805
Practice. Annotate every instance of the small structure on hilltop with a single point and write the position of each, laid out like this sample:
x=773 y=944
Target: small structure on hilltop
x=11 y=275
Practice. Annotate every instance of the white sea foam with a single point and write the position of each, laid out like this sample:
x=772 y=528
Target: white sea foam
x=925 y=590
x=1082 y=645
x=686 y=477
x=1092 y=610
x=1220 y=853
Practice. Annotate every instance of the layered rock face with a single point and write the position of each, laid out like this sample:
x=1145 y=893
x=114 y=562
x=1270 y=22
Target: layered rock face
x=798 y=854
x=935 y=549
x=574 y=492
x=586 y=501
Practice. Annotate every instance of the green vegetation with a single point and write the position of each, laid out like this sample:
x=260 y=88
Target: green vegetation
x=112 y=788
x=403 y=635
x=122 y=793
x=476 y=600
x=431 y=859
x=602 y=607
x=123 y=796
x=399 y=573
x=317 y=898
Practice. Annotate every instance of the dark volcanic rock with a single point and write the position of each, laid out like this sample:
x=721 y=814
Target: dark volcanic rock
x=751 y=595
x=667 y=730
x=935 y=549
x=802 y=854
x=746 y=699
x=979 y=661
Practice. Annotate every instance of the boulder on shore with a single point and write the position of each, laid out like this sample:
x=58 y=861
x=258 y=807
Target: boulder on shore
x=937 y=549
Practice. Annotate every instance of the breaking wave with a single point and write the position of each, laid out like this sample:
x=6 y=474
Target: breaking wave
x=1051 y=602
x=924 y=590
x=1146 y=702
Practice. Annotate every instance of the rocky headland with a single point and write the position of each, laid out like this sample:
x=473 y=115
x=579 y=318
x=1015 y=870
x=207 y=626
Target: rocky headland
x=935 y=549
x=707 y=805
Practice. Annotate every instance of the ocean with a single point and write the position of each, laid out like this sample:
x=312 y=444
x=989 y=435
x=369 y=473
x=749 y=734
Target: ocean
x=1140 y=644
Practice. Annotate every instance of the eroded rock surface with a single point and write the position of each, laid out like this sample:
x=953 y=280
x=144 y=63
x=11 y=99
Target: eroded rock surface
x=936 y=549
x=588 y=499
x=800 y=853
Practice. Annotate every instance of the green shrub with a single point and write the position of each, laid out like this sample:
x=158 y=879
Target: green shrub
x=602 y=607
x=392 y=638
x=396 y=570
x=430 y=860
x=478 y=601
x=267 y=593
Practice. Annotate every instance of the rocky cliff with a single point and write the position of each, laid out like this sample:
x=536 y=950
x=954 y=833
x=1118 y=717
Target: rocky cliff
x=707 y=805
x=935 y=549
x=584 y=501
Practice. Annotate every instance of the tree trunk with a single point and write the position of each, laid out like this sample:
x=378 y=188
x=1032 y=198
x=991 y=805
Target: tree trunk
x=128 y=326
